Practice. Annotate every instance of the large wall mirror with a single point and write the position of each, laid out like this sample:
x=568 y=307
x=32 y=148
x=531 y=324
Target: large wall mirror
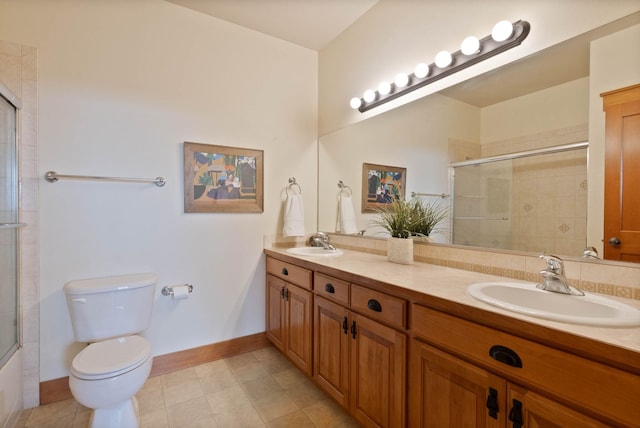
x=533 y=204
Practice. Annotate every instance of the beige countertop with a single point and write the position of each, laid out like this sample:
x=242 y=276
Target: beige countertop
x=450 y=284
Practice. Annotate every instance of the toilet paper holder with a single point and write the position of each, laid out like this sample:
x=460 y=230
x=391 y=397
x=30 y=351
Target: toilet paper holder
x=167 y=290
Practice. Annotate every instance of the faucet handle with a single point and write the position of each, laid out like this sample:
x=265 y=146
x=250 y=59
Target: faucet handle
x=554 y=263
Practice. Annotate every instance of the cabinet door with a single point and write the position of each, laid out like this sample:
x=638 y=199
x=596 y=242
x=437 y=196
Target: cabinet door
x=298 y=327
x=448 y=392
x=331 y=349
x=530 y=410
x=378 y=367
x=275 y=311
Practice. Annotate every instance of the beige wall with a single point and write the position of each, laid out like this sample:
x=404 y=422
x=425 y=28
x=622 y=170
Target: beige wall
x=122 y=85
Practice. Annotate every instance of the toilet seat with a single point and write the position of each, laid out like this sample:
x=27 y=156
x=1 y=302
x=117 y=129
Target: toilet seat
x=111 y=358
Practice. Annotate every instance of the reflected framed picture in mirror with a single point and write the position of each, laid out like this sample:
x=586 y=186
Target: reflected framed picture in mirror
x=381 y=184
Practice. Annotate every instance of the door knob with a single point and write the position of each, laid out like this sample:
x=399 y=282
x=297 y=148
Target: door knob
x=614 y=242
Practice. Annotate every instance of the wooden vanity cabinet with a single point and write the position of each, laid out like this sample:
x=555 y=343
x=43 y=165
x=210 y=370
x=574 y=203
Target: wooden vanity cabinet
x=465 y=374
x=289 y=311
x=445 y=391
x=359 y=361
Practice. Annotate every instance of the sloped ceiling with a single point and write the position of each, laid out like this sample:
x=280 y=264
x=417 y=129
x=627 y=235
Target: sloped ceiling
x=308 y=23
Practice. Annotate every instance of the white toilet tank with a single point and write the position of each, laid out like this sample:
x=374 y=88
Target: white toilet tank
x=115 y=306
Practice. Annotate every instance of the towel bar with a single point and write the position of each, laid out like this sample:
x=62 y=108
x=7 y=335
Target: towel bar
x=52 y=177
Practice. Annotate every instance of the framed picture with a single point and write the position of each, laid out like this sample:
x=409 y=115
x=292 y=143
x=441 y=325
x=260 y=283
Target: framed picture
x=381 y=184
x=222 y=179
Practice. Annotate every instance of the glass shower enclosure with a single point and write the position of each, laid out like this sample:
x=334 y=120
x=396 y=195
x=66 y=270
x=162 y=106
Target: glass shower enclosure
x=533 y=201
x=9 y=229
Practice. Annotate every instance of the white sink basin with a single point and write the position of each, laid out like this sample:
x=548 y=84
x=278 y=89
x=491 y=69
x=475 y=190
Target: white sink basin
x=313 y=251
x=590 y=309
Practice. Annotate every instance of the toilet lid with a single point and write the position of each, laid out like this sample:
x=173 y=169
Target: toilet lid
x=111 y=358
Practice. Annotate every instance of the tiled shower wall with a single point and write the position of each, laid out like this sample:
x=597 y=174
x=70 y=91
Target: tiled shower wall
x=18 y=72
x=549 y=192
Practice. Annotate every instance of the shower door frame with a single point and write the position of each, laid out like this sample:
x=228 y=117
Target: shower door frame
x=16 y=103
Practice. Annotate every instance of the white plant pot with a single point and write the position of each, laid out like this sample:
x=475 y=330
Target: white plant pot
x=400 y=250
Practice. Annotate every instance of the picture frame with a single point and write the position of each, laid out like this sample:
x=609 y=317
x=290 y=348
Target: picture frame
x=222 y=179
x=381 y=184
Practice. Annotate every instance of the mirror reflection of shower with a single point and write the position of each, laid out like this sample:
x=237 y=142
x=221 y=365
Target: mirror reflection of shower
x=531 y=201
x=9 y=225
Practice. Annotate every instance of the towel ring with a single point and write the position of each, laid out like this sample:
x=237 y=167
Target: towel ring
x=346 y=190
x=293 y=182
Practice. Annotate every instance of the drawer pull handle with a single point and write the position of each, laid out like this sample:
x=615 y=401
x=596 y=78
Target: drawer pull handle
x=285 y=271
x=353 y=330
x=374 y=305
x=345 y=325
x=492 y=403
x=282 y=293
x=329 y=288
x=515 y=415
x=505 y=355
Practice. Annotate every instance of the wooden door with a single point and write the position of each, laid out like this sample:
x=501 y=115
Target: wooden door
x=622 y=175
x=275 y=320
x=530 y=410
x=378 y=367
x=298 y=323
x=331 y=349
x=445 y=391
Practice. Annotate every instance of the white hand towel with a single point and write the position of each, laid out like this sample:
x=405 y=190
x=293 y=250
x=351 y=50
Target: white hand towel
x=346 y=216
x=293 y=216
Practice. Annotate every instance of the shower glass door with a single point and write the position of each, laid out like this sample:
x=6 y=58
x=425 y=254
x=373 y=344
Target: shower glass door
x=8 y=232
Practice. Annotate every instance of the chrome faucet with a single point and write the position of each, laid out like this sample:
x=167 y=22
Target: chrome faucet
x=321 y=239
x=554 y=279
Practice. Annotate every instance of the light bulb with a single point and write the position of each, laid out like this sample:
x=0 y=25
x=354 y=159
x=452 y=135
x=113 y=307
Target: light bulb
x=470 y=45
x=421 y=71
x=443 y=59
x=384 y=88
x=369 y=95
x=502 y=31
x=401 y=80
x=355 y=102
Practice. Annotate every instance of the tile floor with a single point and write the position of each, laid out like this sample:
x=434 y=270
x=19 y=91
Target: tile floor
x=255 y=389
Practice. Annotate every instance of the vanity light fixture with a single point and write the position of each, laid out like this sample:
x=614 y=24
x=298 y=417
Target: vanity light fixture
x=504 y=36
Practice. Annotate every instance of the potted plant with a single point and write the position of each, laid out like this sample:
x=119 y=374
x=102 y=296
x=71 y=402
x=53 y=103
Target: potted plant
x=395 y=218
x=426 y=216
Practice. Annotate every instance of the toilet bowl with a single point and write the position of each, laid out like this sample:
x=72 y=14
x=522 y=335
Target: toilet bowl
x=106 y=375
x=108 y=313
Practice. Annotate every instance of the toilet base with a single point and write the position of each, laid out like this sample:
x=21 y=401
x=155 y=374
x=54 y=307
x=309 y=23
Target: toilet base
x=121 y=415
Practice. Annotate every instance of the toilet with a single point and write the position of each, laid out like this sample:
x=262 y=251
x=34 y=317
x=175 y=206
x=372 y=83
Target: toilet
x=109 y=313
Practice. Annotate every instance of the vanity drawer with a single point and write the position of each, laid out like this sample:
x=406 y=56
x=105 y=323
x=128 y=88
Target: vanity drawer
x=332 y=288
x=290 y=273
x=584 y=383
x=380 y=306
